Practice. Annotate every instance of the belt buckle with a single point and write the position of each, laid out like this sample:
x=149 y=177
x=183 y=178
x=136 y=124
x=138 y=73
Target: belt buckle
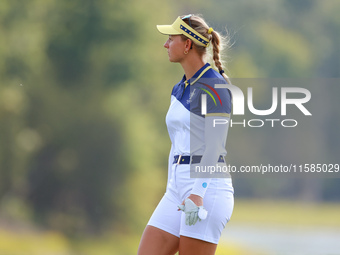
x=179 y=159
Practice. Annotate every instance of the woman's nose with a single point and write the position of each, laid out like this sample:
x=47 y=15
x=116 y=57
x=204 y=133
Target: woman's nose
x=166 y=44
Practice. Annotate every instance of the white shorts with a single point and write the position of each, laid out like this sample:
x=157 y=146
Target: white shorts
x=218 y=201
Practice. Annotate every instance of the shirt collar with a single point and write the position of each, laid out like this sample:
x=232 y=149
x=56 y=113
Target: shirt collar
x=195 y=75
x=200 y=71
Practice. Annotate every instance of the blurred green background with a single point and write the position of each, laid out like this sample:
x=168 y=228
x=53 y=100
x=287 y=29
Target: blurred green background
x=84 y=89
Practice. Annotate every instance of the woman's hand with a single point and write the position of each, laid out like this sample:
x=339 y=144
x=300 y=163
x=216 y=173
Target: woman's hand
x=192 y=206
x=196 y=199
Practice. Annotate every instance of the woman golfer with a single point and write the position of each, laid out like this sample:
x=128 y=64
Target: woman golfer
x=197 y=203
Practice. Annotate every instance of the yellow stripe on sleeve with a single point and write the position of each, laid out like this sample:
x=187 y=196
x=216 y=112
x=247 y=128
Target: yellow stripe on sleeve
x=218 y=114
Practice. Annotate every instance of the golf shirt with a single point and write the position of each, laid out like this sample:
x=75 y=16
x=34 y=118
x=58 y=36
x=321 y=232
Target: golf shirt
x=193 y=132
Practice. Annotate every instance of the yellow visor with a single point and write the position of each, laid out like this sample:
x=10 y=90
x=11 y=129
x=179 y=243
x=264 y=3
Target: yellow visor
x=179 y=27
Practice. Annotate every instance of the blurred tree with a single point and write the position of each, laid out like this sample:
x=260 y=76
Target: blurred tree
x=72 y=153
x=79 y=104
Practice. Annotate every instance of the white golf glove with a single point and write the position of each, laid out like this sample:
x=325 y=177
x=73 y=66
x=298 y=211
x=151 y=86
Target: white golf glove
x=193 y=212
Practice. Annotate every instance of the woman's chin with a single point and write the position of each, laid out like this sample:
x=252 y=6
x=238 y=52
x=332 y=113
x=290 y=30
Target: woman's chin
x=172 y=60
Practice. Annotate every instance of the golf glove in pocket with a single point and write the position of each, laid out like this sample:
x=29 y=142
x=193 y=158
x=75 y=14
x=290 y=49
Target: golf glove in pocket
x=193 y=212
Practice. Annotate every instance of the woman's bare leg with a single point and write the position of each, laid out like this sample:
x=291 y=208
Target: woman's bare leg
x=155 y=241
x=191 y=246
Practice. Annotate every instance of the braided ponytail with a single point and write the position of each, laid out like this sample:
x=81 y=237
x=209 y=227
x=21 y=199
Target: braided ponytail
x=217 y=42
x=217 y=47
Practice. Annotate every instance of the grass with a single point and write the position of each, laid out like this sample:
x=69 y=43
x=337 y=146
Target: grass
x=225 y=249
x=18 y=243
x=268 y=212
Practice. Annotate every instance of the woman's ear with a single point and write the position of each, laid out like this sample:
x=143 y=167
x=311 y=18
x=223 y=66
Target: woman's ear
x=188 y=44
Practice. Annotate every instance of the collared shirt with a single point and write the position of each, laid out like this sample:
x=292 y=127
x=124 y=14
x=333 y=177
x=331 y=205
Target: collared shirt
x=190 y=130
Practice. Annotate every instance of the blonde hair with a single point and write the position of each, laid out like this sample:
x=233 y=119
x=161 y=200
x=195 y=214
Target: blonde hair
x=217 y=42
